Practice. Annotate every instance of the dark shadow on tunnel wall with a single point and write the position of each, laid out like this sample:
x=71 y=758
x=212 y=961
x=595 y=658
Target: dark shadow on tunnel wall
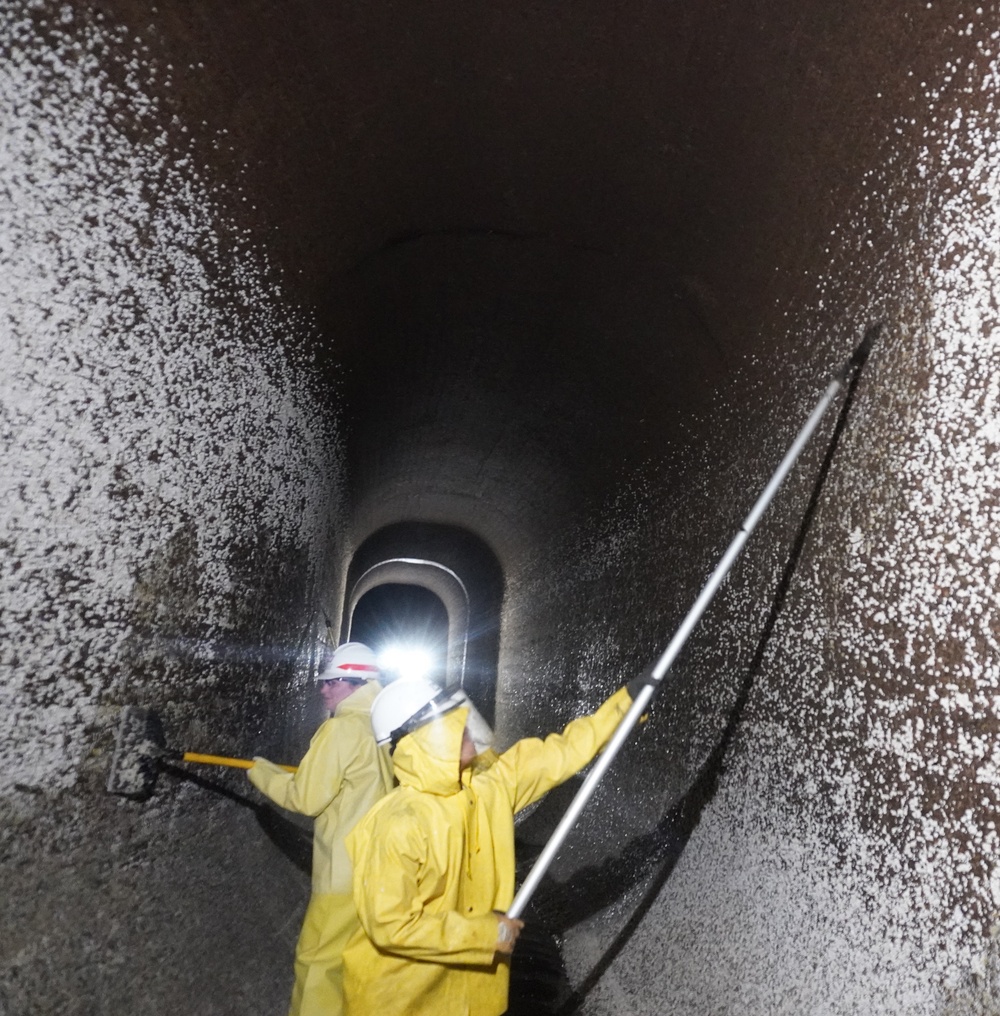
x=294 y=841
x=474 y=562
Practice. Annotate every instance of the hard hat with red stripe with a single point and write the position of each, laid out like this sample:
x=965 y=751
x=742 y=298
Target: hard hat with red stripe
x=353 y=661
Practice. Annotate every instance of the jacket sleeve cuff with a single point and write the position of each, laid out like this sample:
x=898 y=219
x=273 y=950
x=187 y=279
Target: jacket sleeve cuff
x=486 y=934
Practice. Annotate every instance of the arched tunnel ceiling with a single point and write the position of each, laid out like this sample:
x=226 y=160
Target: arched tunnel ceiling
x=672 y=133
x=476 y=195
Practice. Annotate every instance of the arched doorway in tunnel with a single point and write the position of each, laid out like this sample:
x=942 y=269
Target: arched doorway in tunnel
x=408 y=627
x=445 y=562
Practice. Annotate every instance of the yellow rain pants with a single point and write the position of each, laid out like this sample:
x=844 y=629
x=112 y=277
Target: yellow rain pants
x=434 y=859
x=330 y=921
x=340 y=777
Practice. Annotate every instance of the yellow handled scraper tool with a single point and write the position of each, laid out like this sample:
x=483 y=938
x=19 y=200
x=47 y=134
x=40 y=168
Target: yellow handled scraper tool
x=139 y=746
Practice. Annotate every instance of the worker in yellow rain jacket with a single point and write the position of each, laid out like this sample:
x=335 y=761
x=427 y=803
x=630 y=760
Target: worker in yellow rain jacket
x=434 y=859
x=341 y=776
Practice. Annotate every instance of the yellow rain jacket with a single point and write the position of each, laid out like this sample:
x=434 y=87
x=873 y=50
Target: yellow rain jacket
x=339 y=778
x=435 y=858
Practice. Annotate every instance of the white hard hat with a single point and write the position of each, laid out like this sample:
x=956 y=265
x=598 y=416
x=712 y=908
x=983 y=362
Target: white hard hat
x=353 y=661
x=410 y=703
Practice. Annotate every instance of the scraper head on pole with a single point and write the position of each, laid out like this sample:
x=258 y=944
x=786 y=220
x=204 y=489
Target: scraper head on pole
x=139 y=747
x=138 y=743
x=860 y=355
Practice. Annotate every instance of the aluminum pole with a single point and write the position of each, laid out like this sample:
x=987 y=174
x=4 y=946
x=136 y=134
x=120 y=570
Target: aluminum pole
x=638 y=707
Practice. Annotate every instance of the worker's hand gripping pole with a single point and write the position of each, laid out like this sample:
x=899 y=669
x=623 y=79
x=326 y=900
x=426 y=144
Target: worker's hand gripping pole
x=641 y=701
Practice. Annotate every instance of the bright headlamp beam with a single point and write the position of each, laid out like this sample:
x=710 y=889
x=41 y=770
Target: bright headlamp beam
x=406 y=661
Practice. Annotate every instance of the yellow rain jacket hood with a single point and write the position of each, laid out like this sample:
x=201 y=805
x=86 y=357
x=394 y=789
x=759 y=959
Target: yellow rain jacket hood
x=435 y=857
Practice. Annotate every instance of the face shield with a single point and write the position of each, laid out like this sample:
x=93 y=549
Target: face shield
x=479 y=730
x=444 y=702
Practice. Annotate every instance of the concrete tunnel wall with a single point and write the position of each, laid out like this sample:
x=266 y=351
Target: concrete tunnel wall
x=273 y=279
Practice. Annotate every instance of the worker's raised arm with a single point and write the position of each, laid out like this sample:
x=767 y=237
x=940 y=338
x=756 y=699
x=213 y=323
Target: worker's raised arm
x=537 y=765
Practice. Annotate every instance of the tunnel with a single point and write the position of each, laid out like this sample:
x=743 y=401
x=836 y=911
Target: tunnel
x=514 y=308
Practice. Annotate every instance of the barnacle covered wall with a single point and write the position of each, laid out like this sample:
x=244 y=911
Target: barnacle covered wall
x=276 y=277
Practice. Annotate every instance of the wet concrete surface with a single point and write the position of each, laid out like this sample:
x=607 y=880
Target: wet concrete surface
x=275 y=277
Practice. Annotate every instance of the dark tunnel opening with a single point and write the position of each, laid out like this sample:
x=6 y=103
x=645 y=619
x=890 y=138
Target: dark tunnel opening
x=321 y=320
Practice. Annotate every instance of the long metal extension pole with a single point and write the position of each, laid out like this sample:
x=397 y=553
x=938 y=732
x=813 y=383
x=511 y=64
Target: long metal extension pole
x=629 y=720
